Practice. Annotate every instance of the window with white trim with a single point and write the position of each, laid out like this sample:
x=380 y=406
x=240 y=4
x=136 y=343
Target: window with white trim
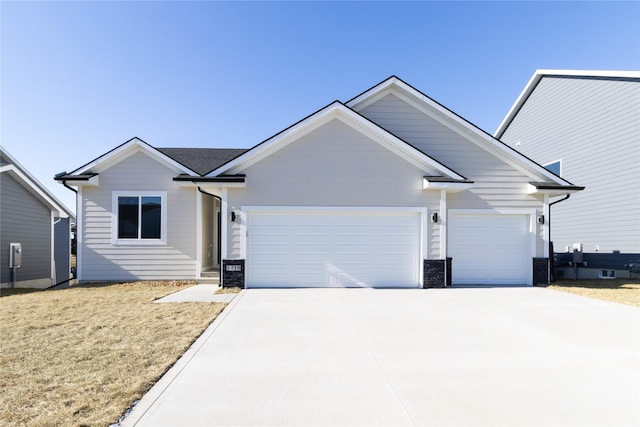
x=139 y=217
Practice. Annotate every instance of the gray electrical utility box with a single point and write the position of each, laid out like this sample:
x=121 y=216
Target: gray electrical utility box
x=15 y=255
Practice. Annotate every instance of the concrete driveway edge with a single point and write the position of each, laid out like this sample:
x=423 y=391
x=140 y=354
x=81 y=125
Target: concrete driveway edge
x=163 y=383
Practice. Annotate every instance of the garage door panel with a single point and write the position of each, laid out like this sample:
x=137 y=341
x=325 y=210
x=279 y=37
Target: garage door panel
x=308 y=258
x=489 y=249
x=270 y=258
x=334 y=249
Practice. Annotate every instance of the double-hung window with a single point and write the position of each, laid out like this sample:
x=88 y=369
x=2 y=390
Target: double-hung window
x=140 y=218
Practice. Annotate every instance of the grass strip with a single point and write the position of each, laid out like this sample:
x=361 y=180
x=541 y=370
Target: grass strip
x=623 y=291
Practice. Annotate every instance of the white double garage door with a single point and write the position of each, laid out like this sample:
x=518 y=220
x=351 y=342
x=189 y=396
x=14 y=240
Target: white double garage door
x=378 y=248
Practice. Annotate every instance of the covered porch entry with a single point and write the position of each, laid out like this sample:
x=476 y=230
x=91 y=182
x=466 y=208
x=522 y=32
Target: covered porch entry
x=210 y=238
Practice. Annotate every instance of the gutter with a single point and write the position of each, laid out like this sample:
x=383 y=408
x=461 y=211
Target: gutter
x=552 y=266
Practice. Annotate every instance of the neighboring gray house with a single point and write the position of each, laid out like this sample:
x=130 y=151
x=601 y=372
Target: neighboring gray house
x=32 y=217
x=585 y=126
x=389 y=189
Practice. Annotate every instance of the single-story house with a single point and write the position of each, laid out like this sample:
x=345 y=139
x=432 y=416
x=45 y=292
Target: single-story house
x=388 y=189
x=585 y=126
x=35 y=230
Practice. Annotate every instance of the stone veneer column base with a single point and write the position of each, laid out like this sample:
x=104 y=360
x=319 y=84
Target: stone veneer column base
x=540 y=271
x=233 y=273
x=435 y=273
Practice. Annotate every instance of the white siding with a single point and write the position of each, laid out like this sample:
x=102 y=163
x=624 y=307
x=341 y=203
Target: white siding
x=102 y=260
x=593 y=126
x=334 y=165
x=496 y=184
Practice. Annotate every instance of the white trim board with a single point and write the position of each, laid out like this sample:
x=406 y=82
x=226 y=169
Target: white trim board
x=338 y=111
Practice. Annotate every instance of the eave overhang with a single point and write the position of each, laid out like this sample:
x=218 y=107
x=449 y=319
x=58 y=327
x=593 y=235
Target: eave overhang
x=35 y=189
x=552 y=189
x=80 y=180
x=220 y=181
x=450 y=185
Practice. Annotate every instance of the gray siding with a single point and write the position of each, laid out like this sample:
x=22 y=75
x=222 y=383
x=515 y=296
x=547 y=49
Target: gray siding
x=333 y=165
x=593 y=126
x=102 y=260
x=25 y=220
x=62 y=249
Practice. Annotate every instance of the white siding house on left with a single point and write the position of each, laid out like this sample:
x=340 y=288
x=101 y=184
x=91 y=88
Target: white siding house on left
x=390 y=189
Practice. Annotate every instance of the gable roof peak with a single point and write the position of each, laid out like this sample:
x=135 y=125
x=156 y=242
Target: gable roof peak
x=122 y=149
x=542 y=73
x=455 y=122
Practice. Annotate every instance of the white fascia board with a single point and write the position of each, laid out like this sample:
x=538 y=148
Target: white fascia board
x=539 y=74
x=396 y=145
x=338 y=111
x=616 y=74
x=533 y=81
x=475 y=135
x=454 y=122
x=372 y=95
x=125 y=150
x=449 y=187
x=34 y=188
x=276 y=142
x=94 y=181
x=211 y=187
x=532 y=189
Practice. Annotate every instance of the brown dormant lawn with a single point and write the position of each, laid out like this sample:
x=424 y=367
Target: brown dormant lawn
x=82 y=356
x=624 y=291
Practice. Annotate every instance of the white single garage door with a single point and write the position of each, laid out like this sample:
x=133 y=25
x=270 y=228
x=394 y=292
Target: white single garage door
x=490 y=249
x=333 y=249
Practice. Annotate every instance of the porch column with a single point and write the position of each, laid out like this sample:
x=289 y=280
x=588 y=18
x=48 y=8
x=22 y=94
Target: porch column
x=224 y=223
x=199 y=218
x=443 y=224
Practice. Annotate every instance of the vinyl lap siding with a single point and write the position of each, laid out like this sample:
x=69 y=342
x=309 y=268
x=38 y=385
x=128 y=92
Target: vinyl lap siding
x=25 y=220
x=334 y=165
x=102 y=260
x=593 y=126
x=497 y=185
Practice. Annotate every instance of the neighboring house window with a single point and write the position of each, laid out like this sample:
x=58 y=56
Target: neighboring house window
x=139 y=218
x=555 y=167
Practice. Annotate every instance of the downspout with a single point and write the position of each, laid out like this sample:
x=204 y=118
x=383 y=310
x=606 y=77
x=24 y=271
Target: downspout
x=75 y=274
x=70 y=188
x=552 y=266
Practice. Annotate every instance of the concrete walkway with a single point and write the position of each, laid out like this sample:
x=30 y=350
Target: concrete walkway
x=438 y=357
x=198 y=293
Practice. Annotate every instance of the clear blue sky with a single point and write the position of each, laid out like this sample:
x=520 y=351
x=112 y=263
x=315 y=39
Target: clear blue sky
x=79 y=78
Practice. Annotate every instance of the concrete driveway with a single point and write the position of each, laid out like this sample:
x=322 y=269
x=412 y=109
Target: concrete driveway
x=438 y=357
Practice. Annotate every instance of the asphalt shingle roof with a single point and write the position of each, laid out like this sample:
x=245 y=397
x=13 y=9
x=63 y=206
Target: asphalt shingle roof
x=202 y=160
